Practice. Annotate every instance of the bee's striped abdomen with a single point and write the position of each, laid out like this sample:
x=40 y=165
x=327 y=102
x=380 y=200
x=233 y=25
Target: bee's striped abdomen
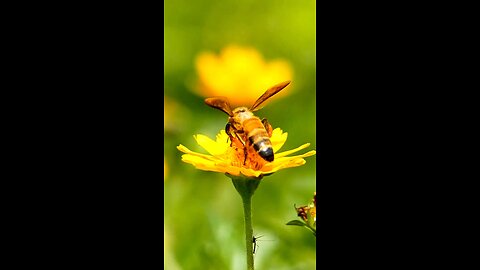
x=258 y=137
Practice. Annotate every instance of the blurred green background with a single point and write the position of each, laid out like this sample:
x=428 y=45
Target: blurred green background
x=204 y=226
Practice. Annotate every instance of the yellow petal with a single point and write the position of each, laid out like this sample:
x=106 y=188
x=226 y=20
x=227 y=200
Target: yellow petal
x=286 y=162
x=212 y=147
x=308 y=154
x=192 y=159
x=282 y=154
x=250 y=172
x=222 y=137
x=278 y=139
x=201 y=163
x=271 y=168
x=233 y=170
x=188 y=151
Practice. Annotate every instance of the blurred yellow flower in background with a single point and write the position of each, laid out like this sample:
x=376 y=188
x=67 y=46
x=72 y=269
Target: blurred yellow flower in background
x=224 y=158
x=240 y=74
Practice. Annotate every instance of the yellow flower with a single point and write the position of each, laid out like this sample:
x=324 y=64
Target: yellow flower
x=229 y=159
x=240 y=74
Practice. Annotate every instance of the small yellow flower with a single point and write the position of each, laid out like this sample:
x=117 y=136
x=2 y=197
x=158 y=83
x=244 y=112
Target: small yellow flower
x=239 y=70
x=225 y=158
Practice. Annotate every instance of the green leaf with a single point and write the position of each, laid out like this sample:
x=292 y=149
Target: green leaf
x=296 y=222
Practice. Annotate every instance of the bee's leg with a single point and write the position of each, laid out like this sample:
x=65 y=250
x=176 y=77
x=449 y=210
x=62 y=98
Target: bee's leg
x=267 y=126
x=239 y=137
x=234 y=136
x=245 y=144
x=246 y=148
x=237 y=140
x=228 y=130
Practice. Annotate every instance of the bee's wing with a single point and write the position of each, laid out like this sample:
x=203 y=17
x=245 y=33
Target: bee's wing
x=270 y=92
x=220 y=103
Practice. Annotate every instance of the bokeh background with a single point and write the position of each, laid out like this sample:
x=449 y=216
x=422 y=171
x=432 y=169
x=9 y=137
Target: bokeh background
x=204 y=226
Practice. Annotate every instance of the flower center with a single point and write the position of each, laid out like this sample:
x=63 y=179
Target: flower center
x=252 y=160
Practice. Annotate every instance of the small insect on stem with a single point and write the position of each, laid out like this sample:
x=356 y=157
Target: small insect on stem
x=254 y=241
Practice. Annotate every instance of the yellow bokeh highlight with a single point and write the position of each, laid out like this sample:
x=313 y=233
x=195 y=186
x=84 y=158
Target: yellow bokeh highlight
x=241 y=74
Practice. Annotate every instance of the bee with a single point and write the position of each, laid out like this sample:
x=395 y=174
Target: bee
x=246 y=129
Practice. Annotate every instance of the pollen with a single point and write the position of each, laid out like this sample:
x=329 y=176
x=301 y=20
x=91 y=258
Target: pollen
x=254 y=160
x=250 y=160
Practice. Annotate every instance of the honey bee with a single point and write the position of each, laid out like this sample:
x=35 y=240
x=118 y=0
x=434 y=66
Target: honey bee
x=244 y=128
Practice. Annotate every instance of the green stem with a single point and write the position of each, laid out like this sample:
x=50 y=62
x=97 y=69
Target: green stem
x=246 y=187
x=247 y=210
